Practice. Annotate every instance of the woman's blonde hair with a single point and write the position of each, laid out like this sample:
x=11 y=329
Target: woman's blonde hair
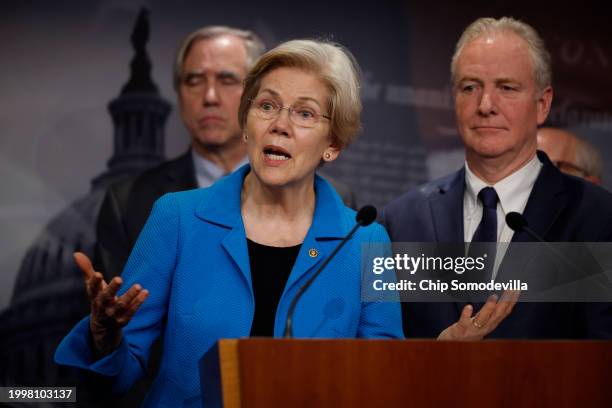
x=333 y=64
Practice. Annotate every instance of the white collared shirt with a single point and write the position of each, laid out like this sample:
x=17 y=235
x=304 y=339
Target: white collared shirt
x=513 y=192
x=208 y=172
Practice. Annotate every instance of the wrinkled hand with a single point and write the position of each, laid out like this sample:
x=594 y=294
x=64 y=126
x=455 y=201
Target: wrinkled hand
x=109 y=312
x=476 y=327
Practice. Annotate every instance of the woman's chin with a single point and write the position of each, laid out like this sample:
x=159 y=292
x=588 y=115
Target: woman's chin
x=272 y=177
x=277 y=179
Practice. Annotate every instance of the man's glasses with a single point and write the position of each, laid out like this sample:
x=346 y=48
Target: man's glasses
x=300 y=115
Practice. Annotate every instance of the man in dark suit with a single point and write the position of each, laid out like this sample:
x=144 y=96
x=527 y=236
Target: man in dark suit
x=208 y=73
x=501 y=80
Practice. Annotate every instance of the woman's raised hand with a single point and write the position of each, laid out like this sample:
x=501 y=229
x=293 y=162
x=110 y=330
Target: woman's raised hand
x=109 y=312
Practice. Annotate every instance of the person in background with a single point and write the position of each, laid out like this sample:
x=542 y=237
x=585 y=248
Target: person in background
x=501 y=78
x=571 y=154
x=208 y=74
x=209 y=71
x=225 y=261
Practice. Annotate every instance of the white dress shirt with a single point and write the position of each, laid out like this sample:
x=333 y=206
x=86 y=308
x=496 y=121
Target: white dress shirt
x=208 y=172
x=513 y=193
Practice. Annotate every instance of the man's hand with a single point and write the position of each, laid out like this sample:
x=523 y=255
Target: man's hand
x=476 y=327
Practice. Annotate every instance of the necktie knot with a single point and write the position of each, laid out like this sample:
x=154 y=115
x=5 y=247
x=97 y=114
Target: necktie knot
x=487 y=229
x=488 y=197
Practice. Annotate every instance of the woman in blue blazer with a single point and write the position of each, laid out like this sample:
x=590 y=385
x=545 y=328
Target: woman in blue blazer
x=226 y=261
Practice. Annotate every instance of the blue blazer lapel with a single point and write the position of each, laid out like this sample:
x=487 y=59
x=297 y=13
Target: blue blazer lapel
x=306 y=259
x=447 y=208
x=223 y=209
x=326 y=231
x=235 y=245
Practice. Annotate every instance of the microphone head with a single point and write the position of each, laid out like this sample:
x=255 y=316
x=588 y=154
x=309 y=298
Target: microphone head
x=366 y=215
x=516 y=221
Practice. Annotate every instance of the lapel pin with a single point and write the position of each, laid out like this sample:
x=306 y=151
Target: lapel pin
x=313 y=253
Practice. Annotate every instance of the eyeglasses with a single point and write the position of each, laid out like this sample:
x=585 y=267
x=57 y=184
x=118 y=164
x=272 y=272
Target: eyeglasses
x=301 y=115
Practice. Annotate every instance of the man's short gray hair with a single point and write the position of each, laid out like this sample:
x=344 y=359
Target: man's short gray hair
x=539 y=54
x=252 y=43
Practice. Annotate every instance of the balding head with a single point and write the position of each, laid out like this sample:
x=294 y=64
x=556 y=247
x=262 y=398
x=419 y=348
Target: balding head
x=558 y=144
x=571 y=154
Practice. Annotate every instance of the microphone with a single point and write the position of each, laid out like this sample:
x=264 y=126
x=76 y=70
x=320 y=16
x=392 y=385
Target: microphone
x=517 y=222
x=365 y=216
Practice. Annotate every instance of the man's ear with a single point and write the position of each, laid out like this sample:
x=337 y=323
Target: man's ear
x=544 y=102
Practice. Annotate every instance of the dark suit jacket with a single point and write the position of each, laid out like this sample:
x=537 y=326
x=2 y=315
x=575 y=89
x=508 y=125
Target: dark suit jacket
x=127 y=205
x=560 y=208
x=122 y=216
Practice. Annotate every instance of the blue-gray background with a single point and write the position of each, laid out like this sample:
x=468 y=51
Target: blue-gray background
x=61 y=62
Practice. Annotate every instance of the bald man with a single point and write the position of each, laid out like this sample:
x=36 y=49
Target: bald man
x=571 y=154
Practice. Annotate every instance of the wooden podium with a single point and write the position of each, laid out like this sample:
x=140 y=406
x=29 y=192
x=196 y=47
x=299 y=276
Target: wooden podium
x=411 y=373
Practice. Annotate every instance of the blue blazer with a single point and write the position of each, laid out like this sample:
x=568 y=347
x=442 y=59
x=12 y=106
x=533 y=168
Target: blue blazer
x=192 y=256
x=560 y=208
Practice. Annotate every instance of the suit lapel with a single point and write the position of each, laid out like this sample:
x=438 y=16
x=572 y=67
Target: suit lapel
x=546 y=201
x=306 y=259
x=222 y=208
x=235 y=244
x=180 y=175
x=447 y=213
x=174 y=175
x=447 y=209
x=325 y=233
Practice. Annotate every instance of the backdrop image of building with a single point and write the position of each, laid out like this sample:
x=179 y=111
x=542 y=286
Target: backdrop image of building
x=63 y=65
x=49 y=295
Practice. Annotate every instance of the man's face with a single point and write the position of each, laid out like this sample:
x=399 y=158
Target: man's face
x=210 y=91
x=497 y=103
